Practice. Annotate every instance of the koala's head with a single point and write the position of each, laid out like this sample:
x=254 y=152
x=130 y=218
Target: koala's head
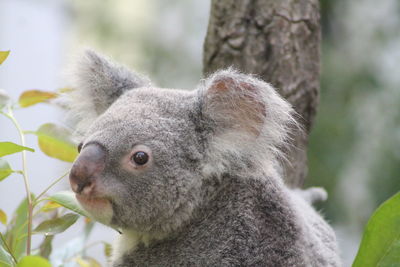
x=148 y=156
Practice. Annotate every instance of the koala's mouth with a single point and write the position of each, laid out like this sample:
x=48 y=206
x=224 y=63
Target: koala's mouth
x=93 y=204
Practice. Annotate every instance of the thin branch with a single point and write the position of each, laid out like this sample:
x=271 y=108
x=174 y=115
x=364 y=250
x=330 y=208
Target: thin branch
x=50 y=186
x=10 y=115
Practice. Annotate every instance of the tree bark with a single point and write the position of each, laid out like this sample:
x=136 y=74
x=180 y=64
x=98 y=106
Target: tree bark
x=277 y=40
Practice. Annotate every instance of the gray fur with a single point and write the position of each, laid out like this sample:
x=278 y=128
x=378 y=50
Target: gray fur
x=102 y=81
x=212 y=195
x=313 y=194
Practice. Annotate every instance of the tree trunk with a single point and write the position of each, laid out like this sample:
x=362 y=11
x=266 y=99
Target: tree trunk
x=278 y=40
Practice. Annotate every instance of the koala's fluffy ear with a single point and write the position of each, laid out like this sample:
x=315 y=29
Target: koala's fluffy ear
x=234 y=103
x=97 y=83
x=244 y=109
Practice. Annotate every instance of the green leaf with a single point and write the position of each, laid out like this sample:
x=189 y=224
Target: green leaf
x=33 y=261
x=57 y=225
x=87 y=230
x=7 y=148
x=4 y=98
x=107 y=249
x=5 y=169
x=49 y=206
x=87 y=262
x=67 y=199
x=16 y=235
x=380 y=245
x=5 y=257
x=65 y=90
x=392 y=256
x=32 y=97
x=3 y=56
x=55 y=141
x=3 y=217
x=46 y=246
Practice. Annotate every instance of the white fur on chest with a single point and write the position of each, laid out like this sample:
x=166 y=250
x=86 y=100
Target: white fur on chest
x=128 y=241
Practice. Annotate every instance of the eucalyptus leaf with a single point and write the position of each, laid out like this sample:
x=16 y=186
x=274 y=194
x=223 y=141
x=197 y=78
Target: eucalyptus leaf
x=3 y=56
x=3 y=217
x=32 y=97
x=107 y=249
x=5 y=169
x=46 y=246
x=87 y=262
x=65 y=90
x=392 y=256
x=67 y=199
x=67 y=250
x=57 y=225
x=49 y=206
x=89 y=225
x=4 y=98
x=17 y=229
x=33 y=261
x=55 y=141
x=380 y=245
x=7 y=148
x=5 y=257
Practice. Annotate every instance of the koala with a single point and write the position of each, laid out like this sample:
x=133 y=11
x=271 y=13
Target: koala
x=191 y=178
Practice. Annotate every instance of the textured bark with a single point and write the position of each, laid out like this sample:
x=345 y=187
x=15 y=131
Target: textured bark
x=278 y=40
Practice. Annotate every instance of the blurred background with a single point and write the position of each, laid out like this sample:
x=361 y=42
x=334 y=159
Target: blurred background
x=354 y=147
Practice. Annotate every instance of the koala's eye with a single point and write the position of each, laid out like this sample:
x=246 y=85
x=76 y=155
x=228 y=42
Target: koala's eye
x=140 y=158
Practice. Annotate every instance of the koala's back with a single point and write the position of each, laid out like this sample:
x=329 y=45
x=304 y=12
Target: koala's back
x=247 y=224
x=318 y=238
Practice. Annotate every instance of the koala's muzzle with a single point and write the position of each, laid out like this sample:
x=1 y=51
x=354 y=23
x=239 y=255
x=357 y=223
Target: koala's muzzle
x=89 y=164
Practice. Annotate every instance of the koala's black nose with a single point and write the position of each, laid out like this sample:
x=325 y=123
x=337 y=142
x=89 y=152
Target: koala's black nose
x=89 y=164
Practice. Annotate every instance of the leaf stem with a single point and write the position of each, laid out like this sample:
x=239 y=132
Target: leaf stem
x=8 y=248
x=29 y=132
x=10 y=115
x=50 y=186
x=26 y=222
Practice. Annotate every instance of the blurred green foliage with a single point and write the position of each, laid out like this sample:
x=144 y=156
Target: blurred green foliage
x=45 y=213
x=356 y=128
x=160 y=38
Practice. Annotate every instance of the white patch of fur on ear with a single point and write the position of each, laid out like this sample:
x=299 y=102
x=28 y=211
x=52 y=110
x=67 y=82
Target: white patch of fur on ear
x=97 y=82
x=251 y=122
